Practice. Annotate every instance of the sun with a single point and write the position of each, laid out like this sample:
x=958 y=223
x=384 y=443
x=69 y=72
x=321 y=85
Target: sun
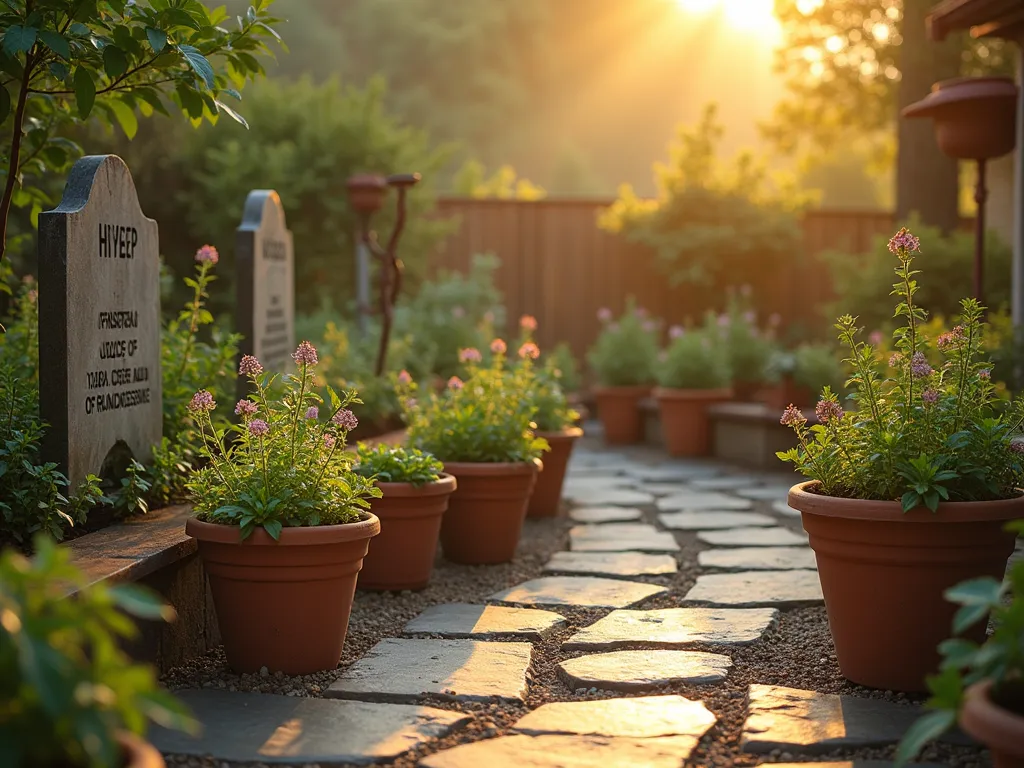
x=747 y=15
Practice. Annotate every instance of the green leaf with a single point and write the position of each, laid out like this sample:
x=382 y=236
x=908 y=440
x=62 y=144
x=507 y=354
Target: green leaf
x=967 y=616
x=19 y=39
x=927 y=728
x=125 y=117
x=273 y=527
x=56 y=43
x=910 y=500
x=115 y=63
x=5 y=104
x=157 y=39
x=141 y=603
x=981 y=591
x=181 y=18
x=231 y=113
x=198 y=63
x=59 y=70
x=85 y=91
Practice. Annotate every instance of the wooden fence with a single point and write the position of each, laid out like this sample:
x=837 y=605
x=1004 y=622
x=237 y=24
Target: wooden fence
x=557 y=265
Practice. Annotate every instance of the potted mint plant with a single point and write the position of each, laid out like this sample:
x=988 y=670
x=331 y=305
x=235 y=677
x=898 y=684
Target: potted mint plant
x=414 y=496
x=69 y=695
x=282 y=520
x=692 y=375
x=909 y=495
x=482 y=430
x=622 y=358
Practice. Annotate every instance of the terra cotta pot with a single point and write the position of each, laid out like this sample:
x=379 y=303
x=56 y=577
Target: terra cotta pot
x=547 y=493
x=618 y=408
x=283 y=604
x=998 y=728
x=684 y=418
x=485 y=514
x=883 y=573
x=402 y=556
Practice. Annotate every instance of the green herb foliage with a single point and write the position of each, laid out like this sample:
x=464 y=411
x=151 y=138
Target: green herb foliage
x=626 y=349
x=396 y=464
x=749 y=348
x=543 y=382
x=693 y=360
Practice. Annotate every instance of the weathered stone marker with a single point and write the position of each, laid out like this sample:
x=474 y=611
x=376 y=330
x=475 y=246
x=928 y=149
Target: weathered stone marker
x=266 y=282
x=99 y=321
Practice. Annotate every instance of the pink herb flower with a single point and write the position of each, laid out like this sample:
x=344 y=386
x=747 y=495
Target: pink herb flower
x=529 y=350
x=792 y=417
x=650 y=326
x=411 y=403
x=985 y=374
x=202 y=402
x=404 y=378
x=345 y=419
x=895 y=359
x=454 y=383
x=329 y=441
x=640 y=312
x=458 y=313
x=945 y=340
x=723 y=320
x=876 y=338
x=470 y=355
x=245 y=408
x=919 y=366
x=312 y=412
x=499 y=347
x=750 y=317
x=676 y=331
x=604 y=315
x=207 y=255
x=1017 y=447
x=930 y=396
x=258 y=427
x=305 y=354
x=249 y=366
x=528 y=323
x=904 y=242
x=826 y=410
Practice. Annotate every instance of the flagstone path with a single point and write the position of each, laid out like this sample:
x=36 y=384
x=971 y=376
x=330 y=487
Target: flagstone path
x=676 y=574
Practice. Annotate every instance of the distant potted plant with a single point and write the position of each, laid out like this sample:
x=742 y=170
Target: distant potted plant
x=909 y=495
x=415 y=494
x=282 y=521
x=801 y=374
x=69 y=695
x=623 y=360
x=554 y=421
x=481 y=429
x=748 y=349
x=981 y=686
x=692 y=374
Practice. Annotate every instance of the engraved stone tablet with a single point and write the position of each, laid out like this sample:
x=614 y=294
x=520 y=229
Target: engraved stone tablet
x=266 y=282
x=99 y=321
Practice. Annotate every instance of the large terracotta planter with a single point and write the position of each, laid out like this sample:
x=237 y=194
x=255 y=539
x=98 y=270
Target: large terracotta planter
x=402 y=556
x=283 y=604
x=618 y=408
x=998 y=728
x=684 y=418
x=547 y=493
x=883 y=573
x=138 y=753
x=485 y=514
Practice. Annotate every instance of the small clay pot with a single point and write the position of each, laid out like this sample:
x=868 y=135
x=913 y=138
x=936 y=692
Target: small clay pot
x=684 y=418
x=618 y=408
x=485 y=514
x=402 y=556
x=547 y=493
x=883 y=574
x=285 y=604
x=998 y=728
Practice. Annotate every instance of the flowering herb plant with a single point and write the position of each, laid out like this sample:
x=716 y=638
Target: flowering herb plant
x=692 y=360
x=395 y=464
x=626 y=349
x=485 y=418
x=748 y=348
x=920 y=434
x=286 y=466
x=544 y=387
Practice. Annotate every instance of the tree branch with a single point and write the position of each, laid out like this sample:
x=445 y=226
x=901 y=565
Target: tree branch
x=13 y=164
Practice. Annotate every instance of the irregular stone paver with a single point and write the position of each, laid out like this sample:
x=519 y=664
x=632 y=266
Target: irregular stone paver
x=580 y=591
x=605 y=514
x=783 y=508
x=566 y=752
x=611 y=563
x=790 y=719
x=674 y=628
x=662 y=489
x=603 y=459
x=249 y=727
x=642 y=717
x=675 y=473
x=749 y=589
x=765 y=492
x=621 y=537
x=753 y=537
x=723 y=482
x=696 y=500
x=758 y=558
x=397 y=669
x=707 y=521
x=625 y=497
x=575 y=484
x=584 y=472
x=484 y=622
x=855 y=764
x=644 y=670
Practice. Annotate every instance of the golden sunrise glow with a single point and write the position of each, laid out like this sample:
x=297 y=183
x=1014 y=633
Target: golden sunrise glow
x=746 y=15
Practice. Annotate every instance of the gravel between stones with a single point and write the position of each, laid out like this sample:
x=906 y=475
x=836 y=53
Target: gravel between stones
x=797 y=654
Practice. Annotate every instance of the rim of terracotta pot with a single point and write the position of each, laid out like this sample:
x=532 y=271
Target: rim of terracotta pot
x=997 y=728
x=481 y=468
x=671 y=393
x=633 y=390
x=137 y=752
x=569 y=433
x=444 y=485
x=366 y=527
x=803 y=499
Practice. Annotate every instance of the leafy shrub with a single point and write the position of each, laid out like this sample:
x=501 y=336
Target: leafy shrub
x=68 y=687
x=286 y=466
x=749 y=348
x=625 y=351
x=816 y=366
x=693 y=360
x=564 y=362
x=544 y=386
x=395 y=464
